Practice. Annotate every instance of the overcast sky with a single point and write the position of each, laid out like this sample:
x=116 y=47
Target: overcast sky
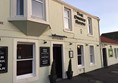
x=106 y=10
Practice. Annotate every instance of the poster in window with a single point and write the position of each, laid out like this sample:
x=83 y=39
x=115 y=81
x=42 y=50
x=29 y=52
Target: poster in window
x=3 y=59
x=44 y=56
x=110 y=52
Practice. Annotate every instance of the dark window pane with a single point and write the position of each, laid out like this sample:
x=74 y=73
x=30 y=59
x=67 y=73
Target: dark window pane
x=79 y=50
x=24 y=51
x=24 y=67
x=20 y=7
x=79 y=60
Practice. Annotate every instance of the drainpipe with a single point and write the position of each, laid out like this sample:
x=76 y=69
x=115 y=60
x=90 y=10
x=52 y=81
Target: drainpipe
x=100 y=43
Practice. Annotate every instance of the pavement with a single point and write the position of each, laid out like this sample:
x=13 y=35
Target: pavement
x=103 y=75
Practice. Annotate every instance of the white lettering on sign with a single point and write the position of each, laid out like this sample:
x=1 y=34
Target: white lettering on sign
x=2 y=61
x=3 y=68
x=45 y=61
x=44 y=50
x=1 y=57
x=1 y=53
x=0 y=65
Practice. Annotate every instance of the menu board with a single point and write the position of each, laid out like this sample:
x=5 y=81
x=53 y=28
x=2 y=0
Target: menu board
x=44 y=56
x=3 y=59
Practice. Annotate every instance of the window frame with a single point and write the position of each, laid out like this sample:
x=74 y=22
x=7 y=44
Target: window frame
x=116 y=52
x=28 y=59
x=43 y=2
x=92 y=55
x=69 y=28
x=90 y=28
x=82 y=55
x=31 y=76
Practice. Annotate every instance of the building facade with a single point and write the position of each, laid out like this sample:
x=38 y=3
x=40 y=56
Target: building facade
x=109 y=51
x=33 y=33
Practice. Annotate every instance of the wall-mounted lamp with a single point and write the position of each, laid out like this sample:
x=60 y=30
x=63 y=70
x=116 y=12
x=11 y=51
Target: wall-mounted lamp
x=110 y=46
x=44 y=42
x=97 y=45
x=70 y=43
x=86 y=44
x=70 y=54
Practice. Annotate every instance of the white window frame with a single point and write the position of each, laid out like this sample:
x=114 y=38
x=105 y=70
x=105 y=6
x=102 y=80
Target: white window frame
x=92 y=55
x=33 y=71
x=33 y=76
x=69 y=28
x=18 y=8
x=82 y=55
x=43 y=10
x=116 y=52
x=90 y=28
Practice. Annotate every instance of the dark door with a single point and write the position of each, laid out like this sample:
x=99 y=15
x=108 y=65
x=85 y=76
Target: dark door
x=57 y=56
x=104 y=57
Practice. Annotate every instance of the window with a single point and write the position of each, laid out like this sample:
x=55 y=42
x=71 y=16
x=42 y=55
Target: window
x=38 y=9
x=67 y=19
x=25 y=59
x=92 y=58
x=20 y=7
x=80 y=55
x=116 y=52
x=90 y=30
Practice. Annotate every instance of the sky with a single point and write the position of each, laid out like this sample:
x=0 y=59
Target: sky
x=106 y=10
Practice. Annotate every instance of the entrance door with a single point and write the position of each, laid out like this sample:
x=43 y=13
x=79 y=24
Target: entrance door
x=104 y=57
x=57 y=56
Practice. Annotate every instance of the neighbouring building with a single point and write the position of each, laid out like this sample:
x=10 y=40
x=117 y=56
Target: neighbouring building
x=109 y=51
x=111 y=35
x=33 y=33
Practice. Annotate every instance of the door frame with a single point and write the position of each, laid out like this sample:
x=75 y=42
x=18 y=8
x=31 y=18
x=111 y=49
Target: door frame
x=63 y=57
x=105 y=57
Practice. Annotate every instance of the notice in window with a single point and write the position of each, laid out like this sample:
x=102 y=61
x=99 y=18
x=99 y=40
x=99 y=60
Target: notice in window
x=3 y=59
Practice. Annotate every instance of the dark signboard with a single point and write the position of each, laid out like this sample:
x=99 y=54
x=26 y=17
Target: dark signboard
x=3 y=59
x=44 y=56
x=79 y=19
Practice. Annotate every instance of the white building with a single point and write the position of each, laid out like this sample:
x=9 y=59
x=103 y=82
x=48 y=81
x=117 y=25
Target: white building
x=109 y=51
x=34 y=32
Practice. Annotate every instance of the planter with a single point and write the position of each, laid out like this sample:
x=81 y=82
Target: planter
x=52 y=78
x=53 y=75
x=69 y=74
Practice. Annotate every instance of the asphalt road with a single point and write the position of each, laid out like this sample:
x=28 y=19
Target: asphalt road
x=103 y=75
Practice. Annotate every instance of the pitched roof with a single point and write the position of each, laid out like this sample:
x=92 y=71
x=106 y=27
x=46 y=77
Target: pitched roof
x=111 y=35
x=108 y=40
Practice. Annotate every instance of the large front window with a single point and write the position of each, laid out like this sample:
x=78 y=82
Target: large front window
x=67 y=19
x=38 y=8
x=25 y=59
